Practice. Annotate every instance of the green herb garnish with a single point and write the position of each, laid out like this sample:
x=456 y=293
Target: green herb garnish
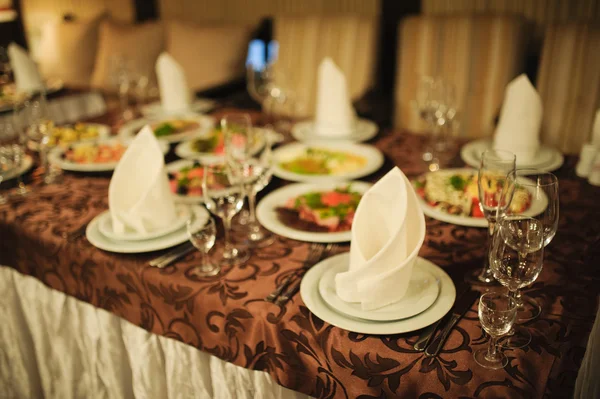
x=164 y=130
x=458 y=182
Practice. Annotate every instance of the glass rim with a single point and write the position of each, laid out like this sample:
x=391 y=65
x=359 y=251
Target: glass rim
x=511 y=157
x=531 y=182
x=511 y=301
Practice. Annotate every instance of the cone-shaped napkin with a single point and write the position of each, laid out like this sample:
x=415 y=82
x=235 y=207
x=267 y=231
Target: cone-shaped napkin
x=27 y=76
x=334 y=115
x=518 y=130
x=172 y=84
x=596 y=131
x=387 y=232
x=139 y=197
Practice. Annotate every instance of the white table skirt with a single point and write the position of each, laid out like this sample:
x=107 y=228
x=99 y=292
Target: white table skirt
x=55 y=346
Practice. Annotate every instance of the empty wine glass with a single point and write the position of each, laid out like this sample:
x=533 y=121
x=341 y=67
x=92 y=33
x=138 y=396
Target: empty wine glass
x=202 y=234
x=39 y=128
x=426 y=106
x=541 y=189
x=497 y=314
x=18 y=126
x=224 y=197
x=7 y=167
x=494 y=198
x=516 y=260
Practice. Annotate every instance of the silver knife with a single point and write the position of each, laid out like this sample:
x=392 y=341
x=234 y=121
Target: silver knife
x=461 y=306
x=426 y=336
x=174 y=251
x=176 y=256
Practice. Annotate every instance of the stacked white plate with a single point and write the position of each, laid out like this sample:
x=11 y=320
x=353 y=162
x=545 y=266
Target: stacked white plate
x=364 y=130
x=100 y=233
x=430 y=296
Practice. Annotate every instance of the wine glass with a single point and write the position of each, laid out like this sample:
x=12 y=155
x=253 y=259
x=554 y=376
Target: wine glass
x=516 y=260
x=7 y=167
x=541 y=192
x=494 y=198
x=19 y=125
x=254 y=173
x=426 y=106
x=224 y=197
x=39 y=129
x=202 y=235
x=497 y=314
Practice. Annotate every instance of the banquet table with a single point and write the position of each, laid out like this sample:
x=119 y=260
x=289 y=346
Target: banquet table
x=226 y=317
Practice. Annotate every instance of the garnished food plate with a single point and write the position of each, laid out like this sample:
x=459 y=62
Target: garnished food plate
x=210 y=144
x=452 y=196
x=314 y=212
x=93 y=156
x=185 y=180
x=320 y=161
x=172 y=129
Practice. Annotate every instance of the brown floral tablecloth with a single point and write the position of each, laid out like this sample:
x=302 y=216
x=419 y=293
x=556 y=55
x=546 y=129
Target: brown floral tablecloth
x=227 y=317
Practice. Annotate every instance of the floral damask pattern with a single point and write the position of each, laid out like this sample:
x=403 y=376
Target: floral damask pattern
x=227 y=316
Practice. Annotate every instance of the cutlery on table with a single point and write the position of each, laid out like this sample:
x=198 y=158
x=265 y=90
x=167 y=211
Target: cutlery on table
x=426 y=335
x=295 y=287
x=461 y=306
x=170 y=252
x=175 y=255
x=313 y=256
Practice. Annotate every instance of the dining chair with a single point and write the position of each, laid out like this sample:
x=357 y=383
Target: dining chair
x=479 y=54
x=569 y=84
x=350 y=40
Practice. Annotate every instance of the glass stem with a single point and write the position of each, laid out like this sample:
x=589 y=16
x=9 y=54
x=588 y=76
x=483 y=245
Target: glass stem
x=226 y=228
x=252 y=206
x=486 y=271
x=204 y=266
x=492 y=348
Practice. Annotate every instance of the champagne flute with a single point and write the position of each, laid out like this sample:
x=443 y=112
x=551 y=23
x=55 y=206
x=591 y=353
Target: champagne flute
x=516 y=259
x=497 y=314
x=541 y=191
x=224 y=198
x=495 y=196
x=39 y=128
x=202 y=235
x=426 y=106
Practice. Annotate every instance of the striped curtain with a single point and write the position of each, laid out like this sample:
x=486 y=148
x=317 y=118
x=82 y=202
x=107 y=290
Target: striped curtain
x=569 y=84
x=540 y=12
x=351 y=41
x=479 y=54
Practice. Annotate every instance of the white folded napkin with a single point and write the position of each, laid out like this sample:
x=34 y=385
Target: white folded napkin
x=139 y=196
x=174 y=91
x=596 y=131
x=27 y=75
x=518 y=130
x=387 y=232
x=334 y=115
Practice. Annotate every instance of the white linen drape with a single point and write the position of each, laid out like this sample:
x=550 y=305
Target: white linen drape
x=55 y=346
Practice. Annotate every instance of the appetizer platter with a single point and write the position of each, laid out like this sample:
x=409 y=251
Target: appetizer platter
x=210 y=145
x=79 y=132
x=171 y=130
x=326 y=161
x=452 y=196
x=185 y=180
x=314 y=212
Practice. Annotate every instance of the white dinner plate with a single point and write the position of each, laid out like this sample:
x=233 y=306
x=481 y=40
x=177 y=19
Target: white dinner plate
x=537 y=205
x=56 y=157
x=175 y=167
x=199 y=105
x=422 y=292
x=19 y=170
x=268 y=218
x=183 y=213
x=309 y=290
x=374 y=160
x=185 y=149
x=363 y=130
x=547 y=158
x=177 y=237
x=205 y=123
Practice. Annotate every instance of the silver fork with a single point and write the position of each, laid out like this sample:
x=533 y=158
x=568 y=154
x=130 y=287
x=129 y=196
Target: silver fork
x=313 y=255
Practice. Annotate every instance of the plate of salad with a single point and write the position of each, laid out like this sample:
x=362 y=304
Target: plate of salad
x=314 y=212
x=452 y=196
x=171 y=130
x=319 y=161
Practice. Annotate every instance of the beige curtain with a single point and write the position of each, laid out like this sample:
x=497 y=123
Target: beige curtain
x=569 y=84
x=351 y=41
x=478 y=54
x=540 y=12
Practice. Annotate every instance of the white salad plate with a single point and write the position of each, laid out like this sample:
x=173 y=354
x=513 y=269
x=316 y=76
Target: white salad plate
x=99 y=240
x=364 y=130
x=547 y=158
x=175 y=167
x=183 y=213
x=266 y=211
x=198 y=105
x=373 y=160
x=185 y=149
x=19 y=170
x=422 y=292
x=205 y=123
x=537 y=205
x=56 y=157
x=309 y=290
